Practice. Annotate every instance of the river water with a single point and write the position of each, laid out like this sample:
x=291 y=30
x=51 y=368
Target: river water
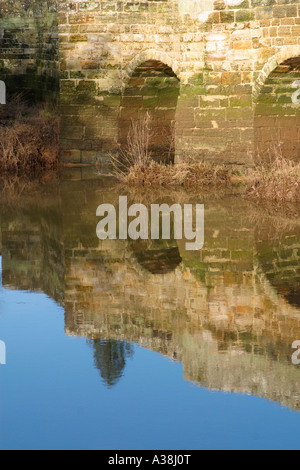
x=145 y=345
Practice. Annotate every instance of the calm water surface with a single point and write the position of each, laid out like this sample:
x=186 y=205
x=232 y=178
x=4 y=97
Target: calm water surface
x=139 y=345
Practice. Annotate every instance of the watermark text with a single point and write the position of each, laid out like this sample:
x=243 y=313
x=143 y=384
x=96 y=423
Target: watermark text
x=2 y=92
x=2 y=353
x=296 y=355
x=188 y=222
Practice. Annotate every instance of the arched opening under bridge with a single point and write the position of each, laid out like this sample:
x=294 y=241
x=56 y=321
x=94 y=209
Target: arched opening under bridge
x=152 y=90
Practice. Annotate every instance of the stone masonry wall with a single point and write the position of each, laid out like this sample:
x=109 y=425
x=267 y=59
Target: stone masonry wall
x=222 y=52
x=29 y=47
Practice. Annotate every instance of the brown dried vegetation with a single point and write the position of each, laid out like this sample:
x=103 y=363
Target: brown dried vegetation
x=29 y=137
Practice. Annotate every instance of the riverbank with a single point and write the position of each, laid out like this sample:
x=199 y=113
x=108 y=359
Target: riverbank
x=29 y=143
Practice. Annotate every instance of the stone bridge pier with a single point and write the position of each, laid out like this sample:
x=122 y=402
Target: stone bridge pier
x=29 y=62
x=219 y=77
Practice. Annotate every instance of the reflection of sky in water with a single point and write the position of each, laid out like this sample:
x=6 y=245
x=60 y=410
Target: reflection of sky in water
x=52 y=397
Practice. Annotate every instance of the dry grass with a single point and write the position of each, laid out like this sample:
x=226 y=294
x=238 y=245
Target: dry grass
x=137 y=152
x=274 y=179
x=29 y=137
x=134 y=165
x=183 y=174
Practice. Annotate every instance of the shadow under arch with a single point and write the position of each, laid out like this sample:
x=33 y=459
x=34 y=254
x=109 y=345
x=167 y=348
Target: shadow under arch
x=153 y=88
x=277 y=110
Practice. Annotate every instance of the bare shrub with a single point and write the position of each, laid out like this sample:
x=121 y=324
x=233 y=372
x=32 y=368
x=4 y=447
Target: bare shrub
x=29 y=137
x=274 y=178
x=136 y=153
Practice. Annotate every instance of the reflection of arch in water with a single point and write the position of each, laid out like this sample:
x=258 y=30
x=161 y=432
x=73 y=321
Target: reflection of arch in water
x=277 y=113
x=110 y=358
x=152 y=88
x=279 y=259
x=157 y=256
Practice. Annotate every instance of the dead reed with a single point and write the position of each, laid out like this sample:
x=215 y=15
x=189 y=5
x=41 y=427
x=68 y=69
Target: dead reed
x=274 y=178
x=29 y=137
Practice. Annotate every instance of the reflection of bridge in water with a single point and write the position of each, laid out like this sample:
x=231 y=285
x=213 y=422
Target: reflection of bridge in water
x=230 y=313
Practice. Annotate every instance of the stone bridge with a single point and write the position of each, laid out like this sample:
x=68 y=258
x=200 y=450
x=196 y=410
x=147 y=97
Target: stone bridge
x=219 y=77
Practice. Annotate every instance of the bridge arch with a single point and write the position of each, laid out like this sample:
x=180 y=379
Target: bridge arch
x=283 y=54
x=144 y=56
x=277 y=106
x=151 y=88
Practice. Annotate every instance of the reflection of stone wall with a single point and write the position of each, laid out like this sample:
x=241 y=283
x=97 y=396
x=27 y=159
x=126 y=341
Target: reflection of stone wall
x=228 y=336
x=224 y=312
x=215 y=312
x=279 y=258
x=32 y=255
x=29 y=47
x=226 y=269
